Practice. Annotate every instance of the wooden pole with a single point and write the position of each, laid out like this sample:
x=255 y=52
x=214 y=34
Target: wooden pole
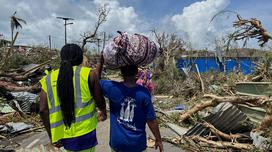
x=104 y=40
x=49 y=37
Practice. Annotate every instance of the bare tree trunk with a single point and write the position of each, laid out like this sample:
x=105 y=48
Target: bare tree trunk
x=12 y=35
x=167 y=58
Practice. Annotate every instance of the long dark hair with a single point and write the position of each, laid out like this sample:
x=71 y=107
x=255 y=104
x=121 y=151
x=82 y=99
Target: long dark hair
x=71 y=55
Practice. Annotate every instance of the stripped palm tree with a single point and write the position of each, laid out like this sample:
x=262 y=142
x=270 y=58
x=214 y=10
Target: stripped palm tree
x=15 y=23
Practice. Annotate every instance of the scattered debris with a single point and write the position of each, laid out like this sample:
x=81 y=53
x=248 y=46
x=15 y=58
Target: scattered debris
x=254 y=114
x=25 y=100
x=180 y=107
x=228 y=119
x=234 y=122
x=17 y=127
x=260 y=141
x=177 y=129
x=253 y=88
x=224 y=110
x=5 y=108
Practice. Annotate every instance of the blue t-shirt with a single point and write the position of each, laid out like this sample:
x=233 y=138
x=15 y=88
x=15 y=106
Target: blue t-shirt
x=130 y=108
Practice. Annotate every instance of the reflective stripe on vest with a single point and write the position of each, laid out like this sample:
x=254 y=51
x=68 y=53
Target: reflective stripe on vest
x=78 y=119
x=78 y=103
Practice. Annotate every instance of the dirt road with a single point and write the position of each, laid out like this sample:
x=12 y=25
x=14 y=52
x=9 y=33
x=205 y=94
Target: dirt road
x=35 y=141
x=103 y=138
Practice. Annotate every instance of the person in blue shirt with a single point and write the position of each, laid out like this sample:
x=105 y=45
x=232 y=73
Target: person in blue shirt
x=130 y=109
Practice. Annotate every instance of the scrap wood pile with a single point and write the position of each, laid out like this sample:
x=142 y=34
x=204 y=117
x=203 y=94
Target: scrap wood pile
x=20 y=72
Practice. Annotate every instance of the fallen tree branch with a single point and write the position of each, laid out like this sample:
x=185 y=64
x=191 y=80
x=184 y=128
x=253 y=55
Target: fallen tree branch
x=40 y=65
x=174 y=141
x=22 y=76
x=257 y=78
x=31 y=130
x=222 y=144
x=13 y=87
x=11 y=117
x=220 y=133
x=261 y=101
x=2 y=137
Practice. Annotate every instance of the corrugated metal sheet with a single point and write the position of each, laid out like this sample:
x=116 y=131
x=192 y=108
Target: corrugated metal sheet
x=227 y=119
x=253 y=88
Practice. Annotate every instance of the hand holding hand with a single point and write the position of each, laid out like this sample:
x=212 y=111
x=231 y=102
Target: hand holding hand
x=159 y=144
x=102 y=115
x=58 y=144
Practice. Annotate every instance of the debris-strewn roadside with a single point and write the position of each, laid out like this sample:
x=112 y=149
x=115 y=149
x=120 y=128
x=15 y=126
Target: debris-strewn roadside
x=20 y=72
x=227 y=112
x=207 y=111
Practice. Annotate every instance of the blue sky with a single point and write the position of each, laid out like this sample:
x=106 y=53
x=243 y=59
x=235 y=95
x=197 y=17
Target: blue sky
x=155 y=9
x=187 y=18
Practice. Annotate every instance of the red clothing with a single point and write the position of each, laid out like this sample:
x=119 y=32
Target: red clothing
x=148 y=84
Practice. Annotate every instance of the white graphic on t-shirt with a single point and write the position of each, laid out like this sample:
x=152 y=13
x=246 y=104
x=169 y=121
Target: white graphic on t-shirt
x=127 y=112
x=131 y=116
x=122 y=112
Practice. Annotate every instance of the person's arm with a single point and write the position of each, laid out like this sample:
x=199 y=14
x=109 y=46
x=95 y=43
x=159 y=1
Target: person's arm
x=152 y=122
x=96 y=92
x=44 y=112
x=154 y=127
x=99 y=67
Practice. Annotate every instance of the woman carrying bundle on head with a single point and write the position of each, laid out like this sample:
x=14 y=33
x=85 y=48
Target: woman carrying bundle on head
x=131 y=107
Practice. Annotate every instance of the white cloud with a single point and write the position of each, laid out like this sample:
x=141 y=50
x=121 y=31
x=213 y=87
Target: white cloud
x=120 y=18
x=41 y=19
x=194 y=21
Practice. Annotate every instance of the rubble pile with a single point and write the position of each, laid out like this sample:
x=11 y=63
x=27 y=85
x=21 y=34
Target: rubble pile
x=19 y=88
x=231 y=114
x=214 y=111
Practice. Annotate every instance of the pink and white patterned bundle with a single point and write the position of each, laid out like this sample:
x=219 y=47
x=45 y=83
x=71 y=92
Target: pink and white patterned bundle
x=126 y=49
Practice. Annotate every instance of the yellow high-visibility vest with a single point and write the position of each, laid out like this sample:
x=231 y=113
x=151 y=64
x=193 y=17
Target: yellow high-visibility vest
x=85 y=113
